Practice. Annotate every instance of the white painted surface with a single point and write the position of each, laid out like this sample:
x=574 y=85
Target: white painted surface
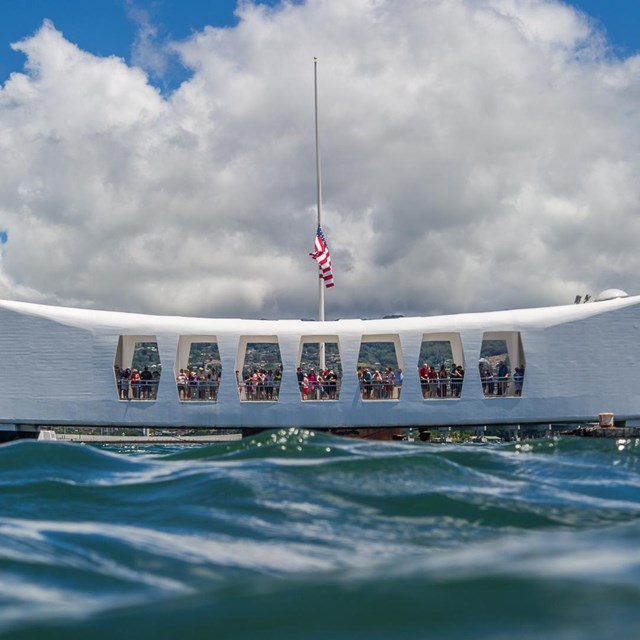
x=56 y=367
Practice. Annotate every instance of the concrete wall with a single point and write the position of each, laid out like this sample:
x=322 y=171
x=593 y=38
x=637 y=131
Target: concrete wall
x=56 y=367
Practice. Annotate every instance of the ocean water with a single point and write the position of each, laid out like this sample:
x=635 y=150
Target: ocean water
x=292 y=534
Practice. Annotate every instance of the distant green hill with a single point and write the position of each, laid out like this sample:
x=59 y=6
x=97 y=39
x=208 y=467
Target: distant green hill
x=376 y=355
x=146 y=354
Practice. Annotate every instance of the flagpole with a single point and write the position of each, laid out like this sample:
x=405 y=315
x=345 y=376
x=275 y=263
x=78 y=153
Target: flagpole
x=319 y=194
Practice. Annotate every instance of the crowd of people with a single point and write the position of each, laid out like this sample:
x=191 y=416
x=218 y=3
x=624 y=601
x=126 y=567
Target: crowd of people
x=322 y=384
x=500 y=382
x=442 y=382
x=259 y=384
x=198 y=384
x=192 y=383
x=137 y=385
x=380 y=384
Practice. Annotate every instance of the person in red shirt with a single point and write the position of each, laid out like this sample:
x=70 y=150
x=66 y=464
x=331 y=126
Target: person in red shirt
x=424 y=379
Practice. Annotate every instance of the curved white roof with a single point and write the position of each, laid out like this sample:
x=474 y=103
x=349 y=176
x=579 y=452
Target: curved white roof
x=541 y=316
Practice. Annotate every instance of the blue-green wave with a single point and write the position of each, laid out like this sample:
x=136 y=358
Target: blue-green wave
x=293 y=534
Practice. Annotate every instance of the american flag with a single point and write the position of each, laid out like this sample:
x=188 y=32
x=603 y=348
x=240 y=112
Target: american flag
x=322 y=256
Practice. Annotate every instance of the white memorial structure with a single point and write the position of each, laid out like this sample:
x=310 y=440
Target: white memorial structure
x=59 y=366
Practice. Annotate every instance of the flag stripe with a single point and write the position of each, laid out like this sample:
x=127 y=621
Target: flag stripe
x=322 y=256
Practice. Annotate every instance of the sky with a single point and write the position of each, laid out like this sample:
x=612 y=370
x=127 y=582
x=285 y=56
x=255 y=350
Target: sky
x=159 y=155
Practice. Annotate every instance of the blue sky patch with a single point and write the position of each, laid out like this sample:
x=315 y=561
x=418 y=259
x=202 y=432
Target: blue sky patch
x=112 y=27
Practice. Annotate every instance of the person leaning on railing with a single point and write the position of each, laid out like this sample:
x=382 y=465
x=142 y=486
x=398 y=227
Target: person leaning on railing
x=145 y=383
x=503 y=376
x=518 y=379
x=181 y=382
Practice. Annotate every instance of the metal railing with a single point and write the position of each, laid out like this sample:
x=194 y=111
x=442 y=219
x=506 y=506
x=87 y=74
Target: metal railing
x=438 y=388
x=138 y=390
x=502 y=387
x=207 y=391
x=198 y=390
x=325 y=390
x=379 y=390
x=259 y=391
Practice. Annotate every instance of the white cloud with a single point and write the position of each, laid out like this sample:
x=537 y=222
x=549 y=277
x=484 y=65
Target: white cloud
x=476 y=154
x=147 y=52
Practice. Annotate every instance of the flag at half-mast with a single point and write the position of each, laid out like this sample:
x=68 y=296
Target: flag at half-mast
x=322 y=256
